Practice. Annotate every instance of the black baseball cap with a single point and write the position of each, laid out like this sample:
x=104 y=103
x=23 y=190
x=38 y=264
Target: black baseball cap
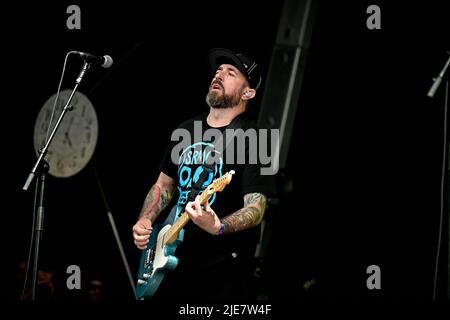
x=247 y=66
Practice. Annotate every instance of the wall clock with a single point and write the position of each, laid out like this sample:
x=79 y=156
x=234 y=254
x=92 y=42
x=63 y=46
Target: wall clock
x=74 y=143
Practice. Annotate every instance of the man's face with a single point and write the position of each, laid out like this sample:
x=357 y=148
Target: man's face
x=226 y=88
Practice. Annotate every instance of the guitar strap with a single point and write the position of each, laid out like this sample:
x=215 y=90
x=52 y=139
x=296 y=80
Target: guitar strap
x=239 y=122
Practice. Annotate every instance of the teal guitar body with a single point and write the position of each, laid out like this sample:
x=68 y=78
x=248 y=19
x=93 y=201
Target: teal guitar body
x=158 y=258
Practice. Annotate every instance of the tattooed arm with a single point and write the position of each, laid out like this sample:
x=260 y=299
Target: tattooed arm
x=156 y=201
x=249 y=216
x=158 y=197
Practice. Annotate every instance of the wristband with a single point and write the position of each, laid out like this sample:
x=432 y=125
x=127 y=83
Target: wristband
x=221 y=230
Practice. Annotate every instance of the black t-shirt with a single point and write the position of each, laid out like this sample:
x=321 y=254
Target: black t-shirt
x=183 y=161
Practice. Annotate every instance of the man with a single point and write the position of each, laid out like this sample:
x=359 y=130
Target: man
x=216 y=254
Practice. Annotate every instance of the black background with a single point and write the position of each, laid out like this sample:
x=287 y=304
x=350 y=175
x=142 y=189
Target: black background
x=366 y=167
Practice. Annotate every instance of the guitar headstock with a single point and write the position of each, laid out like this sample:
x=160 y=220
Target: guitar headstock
x=219 y=183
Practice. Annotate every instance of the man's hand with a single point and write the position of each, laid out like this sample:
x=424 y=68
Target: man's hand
x=141 y=232
x=205 y=217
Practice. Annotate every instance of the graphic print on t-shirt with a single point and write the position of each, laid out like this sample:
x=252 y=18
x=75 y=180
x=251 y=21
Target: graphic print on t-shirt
x=190 y=167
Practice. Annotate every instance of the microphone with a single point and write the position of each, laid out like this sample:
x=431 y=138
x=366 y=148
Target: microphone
x=438 y=79
x=435 y=86
x=105 y=61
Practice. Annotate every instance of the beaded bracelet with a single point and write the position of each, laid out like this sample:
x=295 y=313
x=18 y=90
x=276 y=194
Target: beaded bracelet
x=221 y=230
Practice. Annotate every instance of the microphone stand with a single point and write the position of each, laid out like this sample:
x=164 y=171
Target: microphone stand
x=444 y=177
x=41 y=168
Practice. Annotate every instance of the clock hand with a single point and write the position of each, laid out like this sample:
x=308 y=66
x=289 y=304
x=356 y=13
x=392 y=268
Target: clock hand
x=68 y=139
x=66 y=134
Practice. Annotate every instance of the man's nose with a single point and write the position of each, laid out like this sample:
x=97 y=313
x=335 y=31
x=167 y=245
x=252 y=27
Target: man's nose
x=219 y=75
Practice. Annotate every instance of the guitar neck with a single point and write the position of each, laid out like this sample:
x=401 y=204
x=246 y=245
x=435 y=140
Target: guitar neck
x=172 y=234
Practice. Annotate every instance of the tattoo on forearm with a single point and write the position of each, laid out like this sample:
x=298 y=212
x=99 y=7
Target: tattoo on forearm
x=247 y=217
x=149 y=202
x=155 y=202
x=254 y=198
x=165 y=199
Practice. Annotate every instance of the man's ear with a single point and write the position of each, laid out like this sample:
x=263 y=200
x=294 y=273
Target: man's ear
x=248 y=94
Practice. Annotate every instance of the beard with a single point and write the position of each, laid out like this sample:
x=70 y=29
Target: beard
x=220 y=100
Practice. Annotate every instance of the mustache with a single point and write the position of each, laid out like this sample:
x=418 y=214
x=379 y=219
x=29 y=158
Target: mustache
x=218 y=83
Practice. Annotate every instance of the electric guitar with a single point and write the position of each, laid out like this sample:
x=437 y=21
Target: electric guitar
x=159 y=256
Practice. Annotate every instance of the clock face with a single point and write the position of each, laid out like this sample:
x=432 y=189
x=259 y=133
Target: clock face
x=75 y=140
